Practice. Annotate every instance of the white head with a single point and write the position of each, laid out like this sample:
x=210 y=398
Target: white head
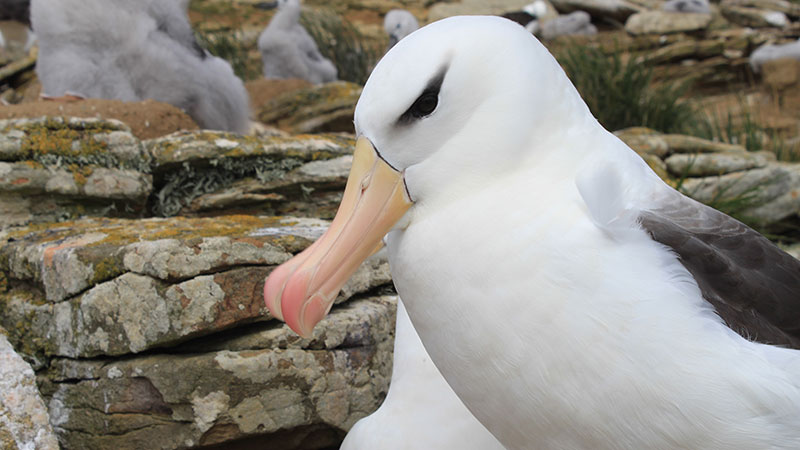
x=398 y=24
x=470 y=91
x=452 y=106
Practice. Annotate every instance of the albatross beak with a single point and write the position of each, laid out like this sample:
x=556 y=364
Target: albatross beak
x=302 y=290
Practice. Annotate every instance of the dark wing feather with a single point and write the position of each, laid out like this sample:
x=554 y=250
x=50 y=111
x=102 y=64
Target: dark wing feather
x=753 y=285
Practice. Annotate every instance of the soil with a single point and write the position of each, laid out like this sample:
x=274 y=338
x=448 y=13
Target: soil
x=261 y=91
x=148 y=119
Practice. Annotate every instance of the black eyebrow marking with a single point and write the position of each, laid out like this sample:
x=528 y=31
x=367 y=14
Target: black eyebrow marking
x=433 y=87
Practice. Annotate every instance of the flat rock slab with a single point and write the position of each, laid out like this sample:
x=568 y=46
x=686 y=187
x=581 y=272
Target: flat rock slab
x=55 y=168
x=207 y=171
x=114 y=286
x=662 y=22
x=270 y=389
x=709 y=164
x=319 y=109
x=24 y=420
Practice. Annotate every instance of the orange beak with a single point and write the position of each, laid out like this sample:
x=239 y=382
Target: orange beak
x=301 y=291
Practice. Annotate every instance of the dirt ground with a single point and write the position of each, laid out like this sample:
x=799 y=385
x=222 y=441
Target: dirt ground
x=147 y=119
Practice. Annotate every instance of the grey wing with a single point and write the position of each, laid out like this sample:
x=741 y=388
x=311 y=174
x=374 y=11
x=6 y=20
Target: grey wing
x=753 y=285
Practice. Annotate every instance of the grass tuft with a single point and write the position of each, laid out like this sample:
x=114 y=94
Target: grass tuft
x=622 y=94
x=340 y=41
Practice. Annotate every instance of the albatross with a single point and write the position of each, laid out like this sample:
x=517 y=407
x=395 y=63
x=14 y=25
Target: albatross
x=570 y=297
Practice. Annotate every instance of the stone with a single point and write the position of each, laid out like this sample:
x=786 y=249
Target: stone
x=441 y=10
x=263 y=384
x=319 y=109
x=663 y=22
x=763 y=196
x=709 y=164
x=787 y=7
x=24 y=419
x=112 y=287
x=56 y=168
x=753 y=17
x=204 y=171
x=618 y=10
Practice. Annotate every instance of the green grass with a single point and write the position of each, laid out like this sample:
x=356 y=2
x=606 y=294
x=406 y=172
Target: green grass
x=223 y=43
x=622 y=94
x=746 y=130
x=340 y=41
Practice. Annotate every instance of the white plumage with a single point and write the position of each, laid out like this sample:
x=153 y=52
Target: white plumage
x=288 y=51
x=135 y=50
x=420 y=411
x=558 y=327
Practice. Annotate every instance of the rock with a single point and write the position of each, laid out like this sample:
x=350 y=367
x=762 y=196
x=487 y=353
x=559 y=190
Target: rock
x=204 y=171
x=147 y=119
x=678 y=143
x=763 y=196
x=24 y=420
x=618 y=10
x=264 y=385
x=52 y=168
x=753 y=17
x=646 y=141
x=262 y=90
x=662 y=22
x=111 y=287
x=709 y=164
x=787 y=7
x=324 y=108
x=474 y=7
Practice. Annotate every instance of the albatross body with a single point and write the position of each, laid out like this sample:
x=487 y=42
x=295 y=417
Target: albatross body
x=420 y=411
x=570 y=298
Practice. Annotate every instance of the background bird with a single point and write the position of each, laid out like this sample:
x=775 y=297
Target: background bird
x=399 y=23
x=132 y=51
x=288 y=51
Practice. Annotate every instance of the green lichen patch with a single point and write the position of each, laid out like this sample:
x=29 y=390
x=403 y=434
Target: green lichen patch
x=190 y=182
x=63 y=142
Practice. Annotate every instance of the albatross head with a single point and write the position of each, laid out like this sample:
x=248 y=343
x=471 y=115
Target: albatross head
x=453 y=105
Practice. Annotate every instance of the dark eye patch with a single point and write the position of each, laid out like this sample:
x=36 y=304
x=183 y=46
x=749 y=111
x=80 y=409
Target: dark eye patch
x=427 y=101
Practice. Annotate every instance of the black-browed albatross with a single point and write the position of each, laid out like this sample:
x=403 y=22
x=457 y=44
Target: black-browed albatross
x=570 y=298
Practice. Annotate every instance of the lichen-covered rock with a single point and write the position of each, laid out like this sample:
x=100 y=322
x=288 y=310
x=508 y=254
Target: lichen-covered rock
x=618 y=10
x=264 y=385
x=753 y=17
x=111 y=287
x=709 y=164
x=56 y=168
x=661 y=22
x=441 y=10
x=204 y=171
x=319 y=109
x=24 y=420
x=764 y=196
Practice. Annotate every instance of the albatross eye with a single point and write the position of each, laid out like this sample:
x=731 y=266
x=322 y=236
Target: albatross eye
x=424 y=105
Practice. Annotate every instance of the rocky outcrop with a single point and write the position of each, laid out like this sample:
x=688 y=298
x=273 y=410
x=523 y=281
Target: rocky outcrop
x=661 y=22
x=56 y=169
x=752 y=186
x=24 y=419
x=318 y=109
x=153 y=333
